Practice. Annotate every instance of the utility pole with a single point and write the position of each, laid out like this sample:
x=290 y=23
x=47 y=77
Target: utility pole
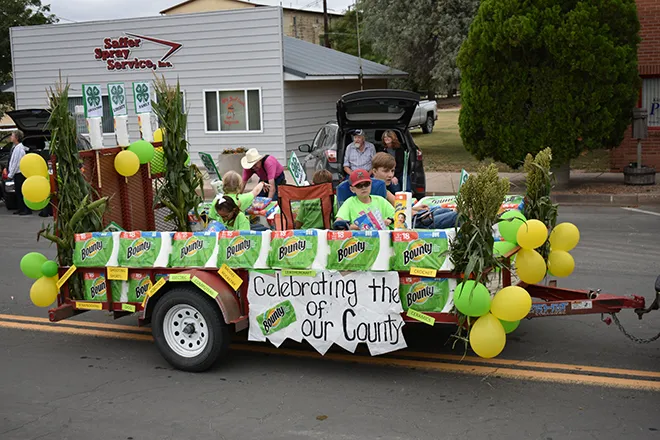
x=357 y=28
x=326 y=31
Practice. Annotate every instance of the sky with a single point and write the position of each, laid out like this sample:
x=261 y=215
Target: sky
x=86 y=10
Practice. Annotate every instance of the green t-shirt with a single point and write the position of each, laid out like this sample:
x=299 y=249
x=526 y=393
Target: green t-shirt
x=311 y=215
x=242 y=200
x=352 y=208
x=241 y=223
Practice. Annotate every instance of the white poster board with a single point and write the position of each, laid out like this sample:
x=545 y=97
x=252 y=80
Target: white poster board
x=142 y=95
x=92 y=100
x=327 y=308
x=117 y=97
x=297 y=170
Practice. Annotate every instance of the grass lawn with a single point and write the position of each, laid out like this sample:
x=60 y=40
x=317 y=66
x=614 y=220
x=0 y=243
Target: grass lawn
x=443 y=150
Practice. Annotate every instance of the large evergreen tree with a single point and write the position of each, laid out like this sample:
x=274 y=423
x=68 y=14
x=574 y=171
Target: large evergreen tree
x=548 y=73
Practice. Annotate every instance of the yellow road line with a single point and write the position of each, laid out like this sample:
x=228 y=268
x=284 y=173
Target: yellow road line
x=74 y=331
x=76 y=323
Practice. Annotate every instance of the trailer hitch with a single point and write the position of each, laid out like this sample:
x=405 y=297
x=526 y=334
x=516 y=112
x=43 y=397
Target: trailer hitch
x=655 y=305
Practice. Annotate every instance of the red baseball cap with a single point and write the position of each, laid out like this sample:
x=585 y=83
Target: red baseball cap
x=359 y=176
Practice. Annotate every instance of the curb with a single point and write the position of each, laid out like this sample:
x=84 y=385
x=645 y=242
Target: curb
x=595 y=199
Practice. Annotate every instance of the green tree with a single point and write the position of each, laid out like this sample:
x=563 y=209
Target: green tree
x=549 y=73
x=344 y=36
x=421 y=37
x=17 y=13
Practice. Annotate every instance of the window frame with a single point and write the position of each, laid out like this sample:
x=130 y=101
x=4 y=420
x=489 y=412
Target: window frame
x=102 y=96
x=641 y=97
x=247 y=111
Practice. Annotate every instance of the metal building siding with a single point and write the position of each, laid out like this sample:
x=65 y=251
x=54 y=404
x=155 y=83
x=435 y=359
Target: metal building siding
x=310 y=104
x=221 y=50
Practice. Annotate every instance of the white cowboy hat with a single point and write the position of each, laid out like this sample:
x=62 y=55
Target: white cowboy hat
x=251 y=157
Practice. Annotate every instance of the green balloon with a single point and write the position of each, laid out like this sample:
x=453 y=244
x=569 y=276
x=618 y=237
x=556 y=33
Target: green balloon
x=143 y=149
x=509 y=228
x=36 y=206
x=49 y=268
x=158 y=162
x=31 y=265
x=509 y=326
x=472 y=298
x=503 y=247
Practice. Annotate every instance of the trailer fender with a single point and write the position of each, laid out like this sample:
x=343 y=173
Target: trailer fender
x=226 y=299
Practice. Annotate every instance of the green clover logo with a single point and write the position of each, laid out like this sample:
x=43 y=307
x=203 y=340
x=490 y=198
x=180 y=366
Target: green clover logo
x=117 y=93
x=93 y=96
x=142 y=93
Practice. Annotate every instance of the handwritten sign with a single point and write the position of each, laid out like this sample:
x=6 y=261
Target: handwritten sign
x=297 y=170
x=142 y=97
x=65 y=277
x=298 y=273
x=128 y=308
x=92 y=100
x=89 y=305
x=327 y=309
x=204 y=287
x=230 y=277
x=117 y=98
x=179 y=277
x=118 y=273
x=420 y=271
x=421 y=317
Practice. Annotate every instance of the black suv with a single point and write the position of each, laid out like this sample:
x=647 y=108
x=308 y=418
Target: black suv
x=37 y=138
x=373 y=111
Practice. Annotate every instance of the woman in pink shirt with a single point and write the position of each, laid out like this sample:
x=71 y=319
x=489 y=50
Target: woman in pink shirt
x=267 y=168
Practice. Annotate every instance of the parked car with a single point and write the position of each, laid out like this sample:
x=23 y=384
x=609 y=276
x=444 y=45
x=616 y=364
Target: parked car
x=32 y=123
x=426 y=113
x=373 y=111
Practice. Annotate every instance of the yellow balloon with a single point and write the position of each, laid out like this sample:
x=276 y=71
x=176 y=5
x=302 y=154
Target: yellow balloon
x=44 y=291
x=564 y=237
x=158 y=135
x=33 y=165
x=36 y=189
x=530 y=266
x=487 y=336
x=532 y=234
x=560 y=263
x=127 y=163
x=512 y=303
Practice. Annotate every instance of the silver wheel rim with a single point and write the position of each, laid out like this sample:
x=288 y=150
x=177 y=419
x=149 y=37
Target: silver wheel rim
x=185 y=330
x=429 y=124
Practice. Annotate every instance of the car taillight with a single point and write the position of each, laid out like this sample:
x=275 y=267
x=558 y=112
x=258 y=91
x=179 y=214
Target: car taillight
x=421 y=189
x=419 y=154
x=331 y=155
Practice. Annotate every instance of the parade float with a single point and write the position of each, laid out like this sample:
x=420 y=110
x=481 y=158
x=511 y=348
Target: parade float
x=123 y=222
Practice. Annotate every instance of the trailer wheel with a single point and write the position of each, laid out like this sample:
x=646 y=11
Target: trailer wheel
x=428 y=125
x=189 y=329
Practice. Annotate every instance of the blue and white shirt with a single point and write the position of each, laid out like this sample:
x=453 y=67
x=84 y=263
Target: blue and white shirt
x=356 y=159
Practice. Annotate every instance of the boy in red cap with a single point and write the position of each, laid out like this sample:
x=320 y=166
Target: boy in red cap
x=363 y=202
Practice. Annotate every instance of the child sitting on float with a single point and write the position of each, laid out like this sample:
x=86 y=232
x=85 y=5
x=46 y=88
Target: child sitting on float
x=310 y=215
x=226 y=211
x=231 y=184
x=363 y=202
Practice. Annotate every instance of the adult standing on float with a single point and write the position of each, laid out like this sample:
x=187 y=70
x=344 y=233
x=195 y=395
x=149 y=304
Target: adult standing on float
x=14 y=171
x=267 y=168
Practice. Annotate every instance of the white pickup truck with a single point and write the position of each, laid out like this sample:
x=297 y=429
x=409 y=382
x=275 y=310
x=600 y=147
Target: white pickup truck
x=425 y=116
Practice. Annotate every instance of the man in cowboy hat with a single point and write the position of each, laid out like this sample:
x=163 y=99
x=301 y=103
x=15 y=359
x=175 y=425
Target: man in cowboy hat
x=267 y=168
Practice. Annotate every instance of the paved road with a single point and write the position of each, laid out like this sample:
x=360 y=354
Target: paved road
x=69 y=386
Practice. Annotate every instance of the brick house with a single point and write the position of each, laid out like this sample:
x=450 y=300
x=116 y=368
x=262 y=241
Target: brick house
x=649 y=70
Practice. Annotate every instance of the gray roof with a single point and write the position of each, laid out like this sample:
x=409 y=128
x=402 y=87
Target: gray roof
x=305 y=59
x=7 y=87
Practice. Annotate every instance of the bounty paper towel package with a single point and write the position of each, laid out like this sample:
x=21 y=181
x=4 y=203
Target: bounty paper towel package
x=425 y=294
x=298 y=249
x=95 y=287
x=139 y=249
x=193 y=249
x=358 y=250
x=423 y=249
x=243 y=249
x=94 y=249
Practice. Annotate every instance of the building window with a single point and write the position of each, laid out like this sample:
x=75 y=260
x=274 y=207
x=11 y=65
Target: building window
x=232 y=110
x=651 y=100
x=107 y=121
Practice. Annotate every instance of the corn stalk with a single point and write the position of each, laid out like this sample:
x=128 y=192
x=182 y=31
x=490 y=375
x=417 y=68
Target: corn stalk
x=538 y=204
x=76 y=212
x=179 y=191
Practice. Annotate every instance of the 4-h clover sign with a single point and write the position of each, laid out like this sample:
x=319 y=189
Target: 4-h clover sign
x=117 y=98
x=92 y=100
x=142 y=96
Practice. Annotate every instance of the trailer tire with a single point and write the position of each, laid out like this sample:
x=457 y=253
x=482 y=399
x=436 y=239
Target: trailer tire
x=189 y=330
x=427 y=127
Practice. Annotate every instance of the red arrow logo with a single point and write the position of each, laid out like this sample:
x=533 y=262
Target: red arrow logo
x=174 y=46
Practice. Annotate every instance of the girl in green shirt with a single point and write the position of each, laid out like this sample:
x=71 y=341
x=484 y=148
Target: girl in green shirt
x=231 y=215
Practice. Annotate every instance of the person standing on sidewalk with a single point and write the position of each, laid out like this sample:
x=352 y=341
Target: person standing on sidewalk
x=14 y=172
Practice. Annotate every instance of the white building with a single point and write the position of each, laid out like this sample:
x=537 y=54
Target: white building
x=245 y=84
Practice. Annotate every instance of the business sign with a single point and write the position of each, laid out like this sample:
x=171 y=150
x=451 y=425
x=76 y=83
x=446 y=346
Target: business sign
x=92 y=100
x=142 y=97
x=327 y=308
x=118 y=53
x=117 y=96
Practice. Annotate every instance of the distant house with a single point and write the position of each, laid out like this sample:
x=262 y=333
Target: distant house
x=305 y=24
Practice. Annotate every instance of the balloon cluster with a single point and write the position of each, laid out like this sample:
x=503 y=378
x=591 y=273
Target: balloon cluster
x=496 y=317
x=128 y=162
x=44 y=290
x=531 y=235
x=36 y=188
